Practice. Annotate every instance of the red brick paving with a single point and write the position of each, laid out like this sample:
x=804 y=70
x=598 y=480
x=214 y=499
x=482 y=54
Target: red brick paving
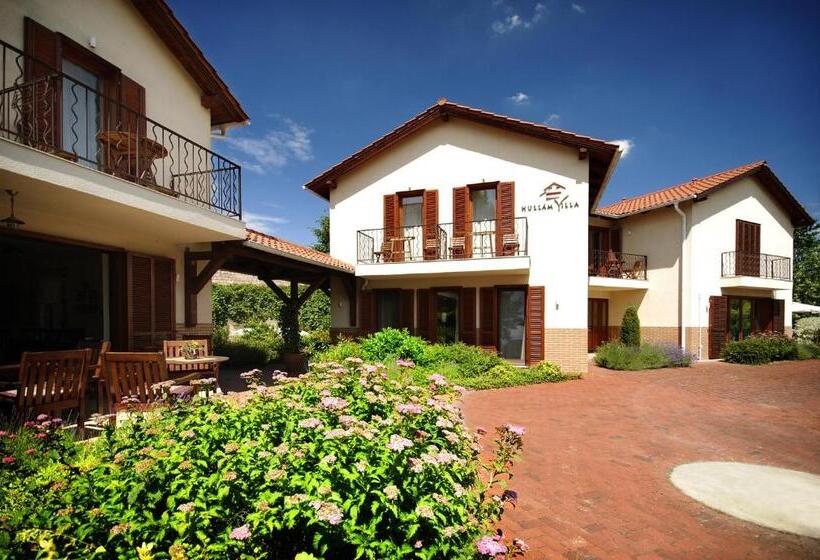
x=593 y=480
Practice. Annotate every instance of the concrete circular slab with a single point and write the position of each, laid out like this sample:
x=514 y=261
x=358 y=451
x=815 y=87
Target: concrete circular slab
x=781 y=499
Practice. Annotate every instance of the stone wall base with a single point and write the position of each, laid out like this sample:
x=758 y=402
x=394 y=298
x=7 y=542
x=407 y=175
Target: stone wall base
x=567 y=348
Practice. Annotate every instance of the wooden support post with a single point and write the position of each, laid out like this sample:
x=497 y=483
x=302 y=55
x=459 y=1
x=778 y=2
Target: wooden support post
x=194 y=282
x=312 y=288
x=276 y=290
x=190 y=296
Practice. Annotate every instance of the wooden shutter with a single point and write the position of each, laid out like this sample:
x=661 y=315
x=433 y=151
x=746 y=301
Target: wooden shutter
x=406 y=310
x=534 y=344
x=718 y=324
x=467 y=331
x=615 y=240
x=423 y=314
x=42 y=100
x=151 y=309
x=747 y=248
x=430 y=222
x=779 y=316
x=461 y=218
x=391 y=227
x=366 y=311
x=487 y=319
x=132 y=96
x=504 y=214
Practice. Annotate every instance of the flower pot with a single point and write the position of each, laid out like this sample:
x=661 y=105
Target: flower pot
x=295 y=362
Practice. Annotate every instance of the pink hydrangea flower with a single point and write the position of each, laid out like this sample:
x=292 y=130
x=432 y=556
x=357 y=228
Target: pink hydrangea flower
x=241 y=533
x=310 y=423
x=405 y=363
x=409 y=408
x=489 y=546
x=334 y=403
x=437 y=379
x=398 y=443
x=514 y=429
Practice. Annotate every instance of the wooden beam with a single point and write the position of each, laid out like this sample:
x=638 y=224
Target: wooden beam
x=189 y=302
x=208 y=272
x=312 y=288
x=276 y=290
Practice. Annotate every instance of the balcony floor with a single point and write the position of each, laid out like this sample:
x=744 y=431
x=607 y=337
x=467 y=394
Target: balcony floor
x=755 y=282
x=616 y=284
x=445 y=268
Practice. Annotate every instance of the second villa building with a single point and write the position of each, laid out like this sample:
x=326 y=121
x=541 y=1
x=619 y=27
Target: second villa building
x=469 y=226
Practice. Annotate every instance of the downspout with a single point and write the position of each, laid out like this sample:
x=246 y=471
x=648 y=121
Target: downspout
x=680 y=274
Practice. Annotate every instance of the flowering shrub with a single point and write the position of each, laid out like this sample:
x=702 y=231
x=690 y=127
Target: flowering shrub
x=760 y=349
x=619 y=356
x=344 y=462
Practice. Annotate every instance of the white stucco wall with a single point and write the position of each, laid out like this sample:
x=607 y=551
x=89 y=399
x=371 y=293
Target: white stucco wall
x=125 y=40
x=455 y=153
x=713 y=232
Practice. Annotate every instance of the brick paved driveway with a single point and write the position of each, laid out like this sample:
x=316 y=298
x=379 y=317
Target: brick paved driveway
x=593 y=482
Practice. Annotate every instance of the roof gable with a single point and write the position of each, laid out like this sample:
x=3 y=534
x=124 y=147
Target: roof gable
x=700 y=188
x=225 y=108
x=602 y=155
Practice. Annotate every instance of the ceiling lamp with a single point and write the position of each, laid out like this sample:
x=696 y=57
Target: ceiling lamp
x=12 y=222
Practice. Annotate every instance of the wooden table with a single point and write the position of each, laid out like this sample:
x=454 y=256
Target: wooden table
x=197 y=361
x=406 y=249
x=482 y=237
x=134 y=148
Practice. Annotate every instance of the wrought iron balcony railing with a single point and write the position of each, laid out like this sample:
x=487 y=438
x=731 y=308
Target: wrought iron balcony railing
x=44 y=108
x=470 y=240
x=614 y=264
x=759 y=265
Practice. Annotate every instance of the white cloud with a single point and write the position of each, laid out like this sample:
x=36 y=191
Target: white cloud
x=579 y=8
x=514 y=21
x=276 y=148
x=553 y=118
x=520 y=98
x=626 y=145
x=264 y=222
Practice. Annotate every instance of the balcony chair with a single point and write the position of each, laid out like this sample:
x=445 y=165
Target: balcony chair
x=509 y=244
x=386 y=254
x=51 y=382
x=432 y=248
x=132 y=374
x=458 y=248
x=638 y=271
x=173 y=349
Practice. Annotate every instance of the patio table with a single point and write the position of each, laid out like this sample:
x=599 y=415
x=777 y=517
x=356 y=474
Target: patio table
x=197 y=361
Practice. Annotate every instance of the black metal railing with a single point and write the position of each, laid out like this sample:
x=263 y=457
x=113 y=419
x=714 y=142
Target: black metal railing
x=44 y=108
x=470 y=240
x=760 y=265
x=614 y=264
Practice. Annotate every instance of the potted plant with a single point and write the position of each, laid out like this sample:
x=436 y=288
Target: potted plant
x=190 y=350
x=294 y=360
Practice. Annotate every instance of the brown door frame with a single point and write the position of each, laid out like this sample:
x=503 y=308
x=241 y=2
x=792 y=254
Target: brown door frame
x=498 y=288
x=593 y=340
x=433 y=304
x=753 y=310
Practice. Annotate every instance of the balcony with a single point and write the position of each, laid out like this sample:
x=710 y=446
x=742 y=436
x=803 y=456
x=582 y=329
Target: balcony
x=755 y=270
x=617 y=271
x=45 y=109
x=470 y=248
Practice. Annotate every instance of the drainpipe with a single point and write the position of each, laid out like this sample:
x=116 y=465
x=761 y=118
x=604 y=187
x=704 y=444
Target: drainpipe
x=680 y=274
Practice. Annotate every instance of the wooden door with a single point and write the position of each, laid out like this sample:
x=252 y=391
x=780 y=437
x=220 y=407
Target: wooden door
x=598 y=323
x=747 y=248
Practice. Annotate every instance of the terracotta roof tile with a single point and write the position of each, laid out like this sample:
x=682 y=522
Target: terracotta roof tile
x=677 y=193
x=298 y=251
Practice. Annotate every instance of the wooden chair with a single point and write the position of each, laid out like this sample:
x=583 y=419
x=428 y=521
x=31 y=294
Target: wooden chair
x=432 y=248
x=386 y=253
x=637 y=272
x=509 y=244
x=173 y=349
x=458 y=247
x=132 y=374
x=51 y=382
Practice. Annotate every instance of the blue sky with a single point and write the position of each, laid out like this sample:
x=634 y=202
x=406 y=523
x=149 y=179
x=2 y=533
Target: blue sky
x=693 y=87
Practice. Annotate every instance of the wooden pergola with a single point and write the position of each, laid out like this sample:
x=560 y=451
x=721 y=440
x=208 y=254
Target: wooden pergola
x=273 y=261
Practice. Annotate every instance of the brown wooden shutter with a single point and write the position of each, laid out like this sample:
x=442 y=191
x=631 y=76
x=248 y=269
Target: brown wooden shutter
x=615 y=240
x=779 y=316
x=406 y=310
x=534 y=344
x=467 y=332
x=366 y=311
x=132 y=96
x=487 y=319
x=42 y=100
x=432 y=318
x=462 y=227
x=423 y=313
x=504 y=214
x=430 y=223
x=718 y=324
x=391 y=227
x=151 y=310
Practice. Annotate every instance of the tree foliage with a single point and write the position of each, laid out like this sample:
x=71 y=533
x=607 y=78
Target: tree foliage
x=807 y=264
x=322 y=234
x=253 y=303
x=631 y=327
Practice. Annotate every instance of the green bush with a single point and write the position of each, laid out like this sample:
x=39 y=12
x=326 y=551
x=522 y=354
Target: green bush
x=316 y=342
x=331 y=466
x=253 y=303
x=631 y=327
x=340 y=351
x=394 y=343
x=760 y=349
x=619 y=356
x=808 y=351
x=808 y=330
x=549 y=372
x=472 y=361
x=259 y=345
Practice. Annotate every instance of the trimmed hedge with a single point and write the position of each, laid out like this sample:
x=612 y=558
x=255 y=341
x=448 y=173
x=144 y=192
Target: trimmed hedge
x=619 y=356
x=631 y=327
x=760 y=349
x=251 y=303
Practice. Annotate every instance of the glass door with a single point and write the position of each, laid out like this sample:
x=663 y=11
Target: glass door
x=80 y=113
x=446 y=316
x=511 y=322
x=482 y=204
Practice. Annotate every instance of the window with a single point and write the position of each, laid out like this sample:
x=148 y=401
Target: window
x=482 y=201
x=411 y=210
x=387 y=309
x=749 y=316
x=446 y=316
x=511 y=322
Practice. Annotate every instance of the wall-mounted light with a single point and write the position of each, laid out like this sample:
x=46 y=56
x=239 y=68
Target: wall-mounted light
x=12 y=221
x=92 y=42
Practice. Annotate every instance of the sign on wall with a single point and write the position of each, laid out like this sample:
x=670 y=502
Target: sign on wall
x=554 y=198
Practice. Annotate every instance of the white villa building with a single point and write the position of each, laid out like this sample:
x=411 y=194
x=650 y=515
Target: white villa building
x=470 y=226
